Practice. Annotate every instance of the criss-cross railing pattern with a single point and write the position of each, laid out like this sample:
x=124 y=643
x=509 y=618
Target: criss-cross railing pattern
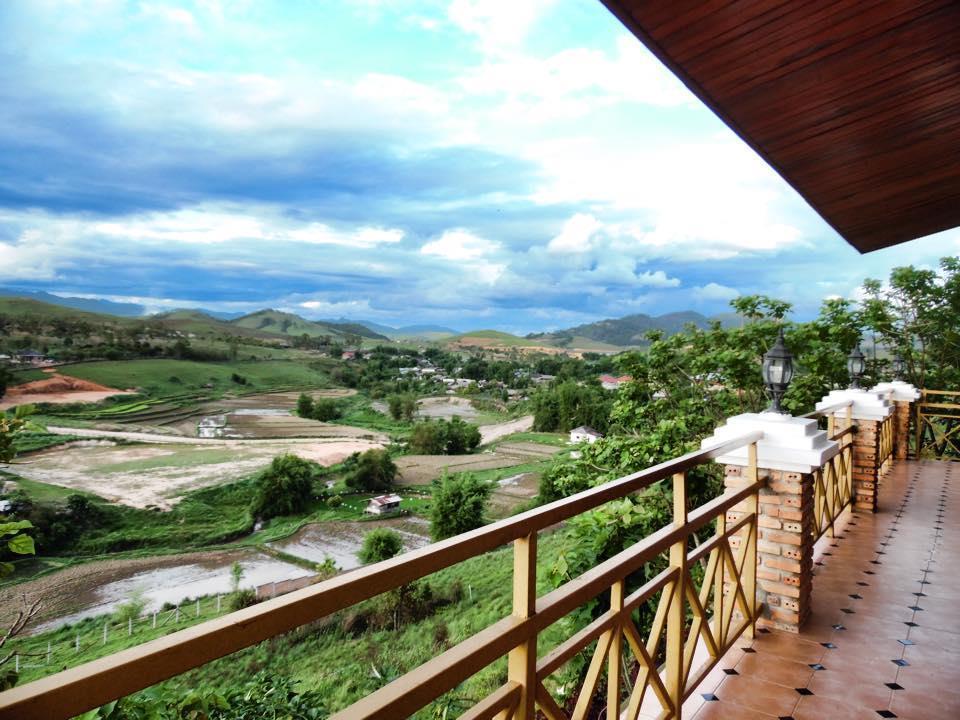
x=885 y=456
x=833 y=483
x=693 y=626
x=695 y=621
x=937 y=425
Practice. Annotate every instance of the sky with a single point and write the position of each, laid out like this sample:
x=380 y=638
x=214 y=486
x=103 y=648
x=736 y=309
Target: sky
x=519 y=164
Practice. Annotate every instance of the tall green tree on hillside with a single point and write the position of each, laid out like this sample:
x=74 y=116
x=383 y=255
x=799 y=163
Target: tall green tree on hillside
x=284 y=488
x=372 y=471
x=459 y=505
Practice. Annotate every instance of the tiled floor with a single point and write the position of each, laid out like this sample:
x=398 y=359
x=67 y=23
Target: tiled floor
x=884 y=637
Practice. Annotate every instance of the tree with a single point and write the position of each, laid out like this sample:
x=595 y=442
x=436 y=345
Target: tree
x=373 y=471
x=440 y=437
x=6 y=377
x=402 y=407
x=562 y=406
x=428 y=438
x=284 y=488
x=325 y=410
x=459 y=504
x=305 y=406
x=380 y=544
x=236 y=576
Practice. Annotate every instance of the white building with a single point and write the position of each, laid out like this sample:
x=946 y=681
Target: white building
x=383 y=504
x=584 y=434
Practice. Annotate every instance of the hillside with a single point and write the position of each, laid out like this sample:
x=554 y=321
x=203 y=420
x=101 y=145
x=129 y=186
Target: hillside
x=86 y=304
x=627 y=331
x=489 y=338
x=277 y=322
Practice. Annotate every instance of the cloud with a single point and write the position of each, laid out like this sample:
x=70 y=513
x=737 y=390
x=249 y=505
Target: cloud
x=498 y=25
x=459 y=245
x=657 y=279
x=576 y=235
x=714 y=291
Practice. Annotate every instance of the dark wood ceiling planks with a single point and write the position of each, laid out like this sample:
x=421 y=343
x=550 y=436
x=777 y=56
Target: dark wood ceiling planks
x=856 y=103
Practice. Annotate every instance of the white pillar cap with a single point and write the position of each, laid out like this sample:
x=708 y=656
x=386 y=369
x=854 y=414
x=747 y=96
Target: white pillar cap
x=898 y=391
x=790 y=444
x=866 y=404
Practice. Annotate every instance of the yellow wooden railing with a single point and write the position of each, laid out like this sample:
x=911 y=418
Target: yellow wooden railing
x=722 y=608
x=937 y=425
x=833 y=483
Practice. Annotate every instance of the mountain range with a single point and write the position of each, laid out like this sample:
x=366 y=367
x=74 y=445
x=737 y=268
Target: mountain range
x=604 y=335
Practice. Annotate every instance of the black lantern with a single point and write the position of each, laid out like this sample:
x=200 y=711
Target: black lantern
x=856 y=365
x=777 y=372
x=899 y=367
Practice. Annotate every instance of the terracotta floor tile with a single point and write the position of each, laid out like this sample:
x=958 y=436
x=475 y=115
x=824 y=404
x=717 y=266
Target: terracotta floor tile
x=818 y=707
x=725 y=710
x=758 y=695
x=781 y=671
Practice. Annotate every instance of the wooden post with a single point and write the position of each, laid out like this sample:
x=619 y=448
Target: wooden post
x=522 y=660
x=49 y=652
x=616 y=650
x=752 y=505
x=105 y=625
x=676 y=617
x=77 y=643
x=198 y=607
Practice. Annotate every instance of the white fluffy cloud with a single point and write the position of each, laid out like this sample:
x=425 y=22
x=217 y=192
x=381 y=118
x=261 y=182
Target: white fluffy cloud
x=459 y=245
x=497 y=24
x=714 y=291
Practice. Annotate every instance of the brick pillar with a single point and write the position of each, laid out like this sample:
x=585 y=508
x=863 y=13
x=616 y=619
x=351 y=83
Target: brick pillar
x=866 y=464
x=784 y=544
x=901 y=428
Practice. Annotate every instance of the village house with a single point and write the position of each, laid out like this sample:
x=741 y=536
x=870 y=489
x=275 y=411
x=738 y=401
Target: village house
x=383 y=505
x=612 y=382
x=584 y=434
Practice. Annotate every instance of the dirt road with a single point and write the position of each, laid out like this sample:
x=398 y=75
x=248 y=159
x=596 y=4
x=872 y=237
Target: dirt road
x=489 y=433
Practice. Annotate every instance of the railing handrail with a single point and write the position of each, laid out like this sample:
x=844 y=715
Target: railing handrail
x=92 y=684
x=829 y=410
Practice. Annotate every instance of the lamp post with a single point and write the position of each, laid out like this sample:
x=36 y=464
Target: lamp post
x=777 y=372
x=899 y=367
x=856 y=365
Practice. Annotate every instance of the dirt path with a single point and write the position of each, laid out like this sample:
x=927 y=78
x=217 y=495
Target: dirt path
x=181 y=440
x=57 y=389
x=489 y=433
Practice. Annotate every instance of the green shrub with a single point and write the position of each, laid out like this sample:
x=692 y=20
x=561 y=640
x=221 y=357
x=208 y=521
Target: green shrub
x=325 y=410
x=380 y=544
x=285 y=488
x=373 y=471
x=459 y=504
x=243 y=599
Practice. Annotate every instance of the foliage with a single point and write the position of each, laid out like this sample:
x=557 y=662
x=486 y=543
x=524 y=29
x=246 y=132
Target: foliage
x=442 y=437
x=326 y=409
x=132 y=608
x=236 y=576
x=13 y=426
x=402 y=407
x=371 y=471
x=6 y=378
x=564 y=405
x=285 y=488
x=915 y=314
x=264 y=696
x=459 y=504
x=305 y=406
x=13 y=539
x=380 y=544
x=242 y=599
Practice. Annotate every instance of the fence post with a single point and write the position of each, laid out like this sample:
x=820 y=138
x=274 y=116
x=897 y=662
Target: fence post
x=522 y=660
x=129 y=626
x=274 y=594
x=218 y=603
x=154 y=619
x=617 y=592
x=16 y=662
x=198 y=607
x=177 y=618
x=106 y=625
x=676 y=615
x=48 y=652
x=77 y=645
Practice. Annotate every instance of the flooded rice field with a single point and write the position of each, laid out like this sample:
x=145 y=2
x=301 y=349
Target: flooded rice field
x=98 y=588
x=342 y=540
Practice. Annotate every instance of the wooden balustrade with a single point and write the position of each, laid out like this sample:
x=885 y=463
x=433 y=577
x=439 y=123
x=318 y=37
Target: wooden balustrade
x=87 y=686
x=705 y=598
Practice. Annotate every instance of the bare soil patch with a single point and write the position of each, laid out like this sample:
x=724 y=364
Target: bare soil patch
x=57 y=389
x=424 y=469
x=446 y=407
x=159 y=475
x=489 y=433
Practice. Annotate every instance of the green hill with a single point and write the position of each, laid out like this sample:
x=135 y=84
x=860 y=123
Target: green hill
x=626 y=331
x=490 y=338
x=277 y=322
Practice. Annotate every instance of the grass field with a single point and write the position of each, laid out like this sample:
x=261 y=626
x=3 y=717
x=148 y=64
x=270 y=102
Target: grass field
x=174 y=377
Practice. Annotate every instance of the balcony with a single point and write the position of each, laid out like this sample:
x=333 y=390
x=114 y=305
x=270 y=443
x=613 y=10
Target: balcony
x=829 y=592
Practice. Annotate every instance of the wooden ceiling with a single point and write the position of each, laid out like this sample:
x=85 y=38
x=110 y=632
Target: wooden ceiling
x=856 y=103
